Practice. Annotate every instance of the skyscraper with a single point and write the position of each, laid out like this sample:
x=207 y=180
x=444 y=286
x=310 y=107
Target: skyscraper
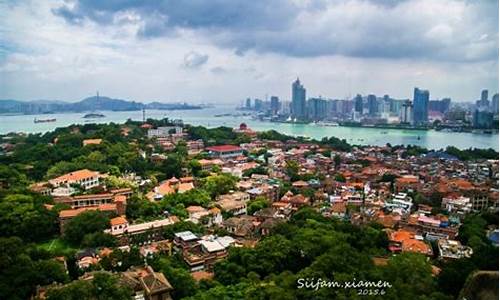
x=406 y=111
x=299 y=110
x=275 y=105
x=420 y=106
x=316 y=109
x=372 y=105
x=484 y=95
x=494 y=103
x=358 y=104
x=248 y=104
x=483 y=103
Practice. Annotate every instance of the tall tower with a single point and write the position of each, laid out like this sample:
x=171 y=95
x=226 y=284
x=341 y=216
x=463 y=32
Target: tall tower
x=143 y=114
x=298 y=100
x=420 y=106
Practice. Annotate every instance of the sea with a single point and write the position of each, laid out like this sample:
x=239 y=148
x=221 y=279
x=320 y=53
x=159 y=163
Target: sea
x=210 y=117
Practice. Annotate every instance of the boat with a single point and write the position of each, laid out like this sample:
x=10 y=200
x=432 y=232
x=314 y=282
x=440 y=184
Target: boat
x=327 y=124
x=44 y=120
x=93 y=116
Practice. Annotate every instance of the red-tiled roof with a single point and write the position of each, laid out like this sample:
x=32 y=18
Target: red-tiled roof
x=223 y=148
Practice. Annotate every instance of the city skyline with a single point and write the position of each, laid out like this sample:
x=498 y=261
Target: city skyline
x=228 y=50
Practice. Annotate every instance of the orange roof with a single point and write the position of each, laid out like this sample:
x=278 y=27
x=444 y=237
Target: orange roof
x=412 y=245
x=407 y=179
x=92 y=142
x=69 y=213
x=184 y=187
x=120 y=198
x=165 y=189
x=118 y=221
x=401 y=235
x=77 y=175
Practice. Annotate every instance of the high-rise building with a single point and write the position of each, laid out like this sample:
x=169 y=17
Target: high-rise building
x=372 y=105
x=484 y=95
x=483 y=103
x=441 y=106
x=494 y=103
x=258 y=105
x=482 y=118
x=420 y=106
x=358 y=104
x=248 y=104
x=316 y=108
x=406 y=112
x=299 y=109
x=275 y=105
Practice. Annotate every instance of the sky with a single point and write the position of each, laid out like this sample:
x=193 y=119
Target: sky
x=223 y=51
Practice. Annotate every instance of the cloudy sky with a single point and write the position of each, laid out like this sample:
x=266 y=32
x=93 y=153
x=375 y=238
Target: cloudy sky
x=227 y=50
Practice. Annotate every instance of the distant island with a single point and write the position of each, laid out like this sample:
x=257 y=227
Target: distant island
x=8 y=106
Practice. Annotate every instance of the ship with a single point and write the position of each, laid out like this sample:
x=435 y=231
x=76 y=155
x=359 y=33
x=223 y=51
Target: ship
x=326 y=124
x=44 y=120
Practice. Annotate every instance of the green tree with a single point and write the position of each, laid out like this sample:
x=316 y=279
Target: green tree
x=86 y=223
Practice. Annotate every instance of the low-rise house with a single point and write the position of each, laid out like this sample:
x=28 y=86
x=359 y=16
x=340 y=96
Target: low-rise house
x=224 y=151
x=407 y=241
x=458 y=205
x=206 y=252
x=141 y=233
x=85 y=178
x=185 y=240
x=147 y=284
x=242 y=226
x=209 y=217
x=450 y=249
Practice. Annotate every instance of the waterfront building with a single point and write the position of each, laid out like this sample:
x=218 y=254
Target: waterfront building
x=372 y=105
x=316 y=108
x=275 y=105
x=358 y=104
x=482 y=118
x=494 y=104
x=484 y=99
x=406 y=112
x=441 y=106
x=299 y=109
x=420 y=106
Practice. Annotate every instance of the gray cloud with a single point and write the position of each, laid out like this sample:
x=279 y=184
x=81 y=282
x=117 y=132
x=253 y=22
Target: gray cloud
x=442 y=30
x=194 y=60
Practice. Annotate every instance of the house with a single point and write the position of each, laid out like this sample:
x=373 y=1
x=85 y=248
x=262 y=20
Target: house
x=185 y=240
x=209 y=164
x=146 y=283
x=141 y=233
x=242 y=226
x=199 y=214
x=224 y=151
x=407 y=241
x=85 y=178
x=234 y=203
x=206 y=252
x=450 y=249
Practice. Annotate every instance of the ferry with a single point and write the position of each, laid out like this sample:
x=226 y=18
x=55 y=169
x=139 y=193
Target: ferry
x=44 y=120
x=327 y=124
